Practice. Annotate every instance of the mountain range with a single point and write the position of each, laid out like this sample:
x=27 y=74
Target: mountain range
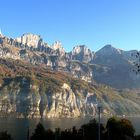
x=42 y=80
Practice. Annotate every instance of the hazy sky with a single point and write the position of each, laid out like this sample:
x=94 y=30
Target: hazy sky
x=94 y=23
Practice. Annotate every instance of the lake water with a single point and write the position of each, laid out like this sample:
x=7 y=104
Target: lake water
x=18 y=127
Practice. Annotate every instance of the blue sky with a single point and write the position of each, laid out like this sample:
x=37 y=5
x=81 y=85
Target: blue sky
x=94 y=23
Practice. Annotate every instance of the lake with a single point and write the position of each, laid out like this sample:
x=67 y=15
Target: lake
x=18 y=127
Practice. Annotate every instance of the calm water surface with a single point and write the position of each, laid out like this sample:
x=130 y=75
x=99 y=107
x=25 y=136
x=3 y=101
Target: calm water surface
x=18 y=127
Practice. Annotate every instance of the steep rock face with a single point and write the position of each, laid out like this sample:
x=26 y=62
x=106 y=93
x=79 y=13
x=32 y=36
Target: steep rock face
x=58 y=47
x=80 y=70
x=64 y=104
x=8 y=51
x=30 y=40
x=82 y=53
x=21 y=98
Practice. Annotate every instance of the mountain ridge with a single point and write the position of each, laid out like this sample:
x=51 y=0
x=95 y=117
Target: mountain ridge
x=16 y=38
x=41 y=80
x=80 y=61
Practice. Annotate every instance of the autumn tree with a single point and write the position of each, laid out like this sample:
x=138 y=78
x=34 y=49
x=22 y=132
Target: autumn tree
x=118 y=129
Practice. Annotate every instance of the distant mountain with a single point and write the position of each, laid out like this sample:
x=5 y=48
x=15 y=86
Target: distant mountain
x=109 y=50
x=38 y=79
x=109 y=65
x=116 y=68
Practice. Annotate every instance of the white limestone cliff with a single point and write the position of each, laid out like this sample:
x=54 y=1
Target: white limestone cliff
x=58 y=47
x=82 y=53
x=29 y=40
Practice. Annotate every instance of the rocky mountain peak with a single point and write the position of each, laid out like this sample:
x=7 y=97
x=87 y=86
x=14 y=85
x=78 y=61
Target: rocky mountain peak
x=109 y=50
x=81 y=49
x=82 y=53
x=0 y=32
x=58 y=46
x=29 y=40
x=1 y=35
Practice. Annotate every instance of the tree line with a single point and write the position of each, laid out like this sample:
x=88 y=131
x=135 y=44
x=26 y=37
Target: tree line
x=115 y=129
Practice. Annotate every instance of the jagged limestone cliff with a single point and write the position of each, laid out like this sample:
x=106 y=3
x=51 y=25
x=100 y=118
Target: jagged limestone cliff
x=22 y=98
